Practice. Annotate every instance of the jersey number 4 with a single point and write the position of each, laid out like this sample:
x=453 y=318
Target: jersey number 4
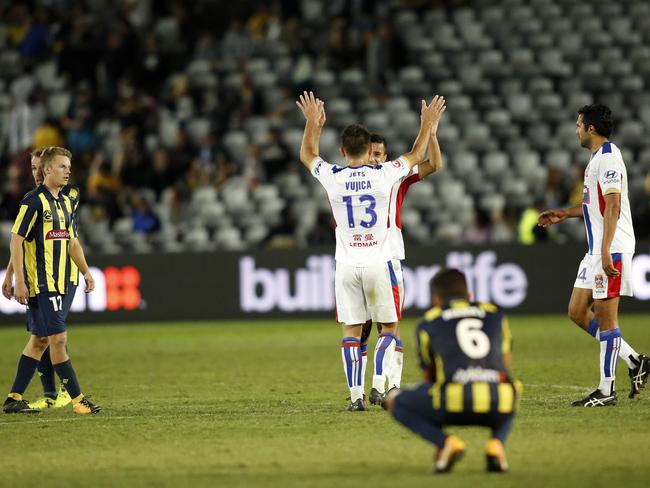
x=370 y=203
x=472 y=340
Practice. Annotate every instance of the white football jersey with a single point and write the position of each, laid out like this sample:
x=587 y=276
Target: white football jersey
x=606 y=172
x=360 y=197
x=396 y=200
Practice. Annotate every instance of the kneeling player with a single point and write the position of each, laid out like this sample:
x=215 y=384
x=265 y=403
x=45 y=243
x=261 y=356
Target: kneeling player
x=464 y=351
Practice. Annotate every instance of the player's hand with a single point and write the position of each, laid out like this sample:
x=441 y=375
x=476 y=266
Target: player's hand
x=310 y=107
x=322 y=117
x=608 y=266
x=90 y=282
x=6 y=286
x=430 y=114
x=550 y=217
x=21 y=293
x=439 y=109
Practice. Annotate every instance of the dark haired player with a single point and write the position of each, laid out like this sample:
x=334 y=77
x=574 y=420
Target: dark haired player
x=464 y=349
x=379 y=155
x=359 y=196
x=605 y=272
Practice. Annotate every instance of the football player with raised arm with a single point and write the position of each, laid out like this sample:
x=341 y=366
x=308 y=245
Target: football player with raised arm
x=359 y=195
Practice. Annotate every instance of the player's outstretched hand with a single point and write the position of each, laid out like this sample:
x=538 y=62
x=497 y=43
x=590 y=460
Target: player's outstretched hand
x=430 y=114
x=321 y=117
x=439 y=110
x=550 y=217
x=6 y=286
x=312 y=108
x=90 y=282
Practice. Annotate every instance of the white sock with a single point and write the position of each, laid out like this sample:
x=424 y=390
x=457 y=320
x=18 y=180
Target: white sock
x=364 y=364
x=351 y=355
x=629 y=355
x=626 y=350
x=610 y=343
x=395 y=375
x=384 y=352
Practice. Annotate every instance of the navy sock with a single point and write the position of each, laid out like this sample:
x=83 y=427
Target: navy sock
x=26 y=369
x=46 y=374
x=423 y=426
x=502 y=430
x=68 y=378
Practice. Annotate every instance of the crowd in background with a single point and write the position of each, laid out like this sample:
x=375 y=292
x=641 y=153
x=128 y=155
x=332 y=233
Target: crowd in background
x=124 y=85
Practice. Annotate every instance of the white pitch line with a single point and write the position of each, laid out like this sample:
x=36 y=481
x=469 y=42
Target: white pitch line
x=561 y=387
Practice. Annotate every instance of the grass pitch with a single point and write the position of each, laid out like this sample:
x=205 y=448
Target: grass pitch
x=262 y=403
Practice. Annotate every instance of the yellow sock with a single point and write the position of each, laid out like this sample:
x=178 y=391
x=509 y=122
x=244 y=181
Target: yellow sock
x=15 y=396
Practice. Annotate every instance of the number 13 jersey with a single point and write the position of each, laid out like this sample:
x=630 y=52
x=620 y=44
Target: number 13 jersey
x=360 y=198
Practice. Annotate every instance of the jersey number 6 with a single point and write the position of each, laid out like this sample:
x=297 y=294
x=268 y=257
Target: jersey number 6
x=472 y=340
x=370 y=211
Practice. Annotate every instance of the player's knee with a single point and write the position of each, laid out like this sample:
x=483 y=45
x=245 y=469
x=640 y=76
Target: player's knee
x=58 y=341
x=39 y=343
x=577 y=314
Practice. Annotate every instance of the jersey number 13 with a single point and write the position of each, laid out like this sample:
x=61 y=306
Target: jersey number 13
x=369 y=218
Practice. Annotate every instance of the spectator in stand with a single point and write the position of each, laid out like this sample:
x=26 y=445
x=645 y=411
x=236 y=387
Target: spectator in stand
x=162 y=176
x=48 y=134
x=323 y=233
x=275 y=155
x=480 y=232
x=103 y=187
x=145 y=219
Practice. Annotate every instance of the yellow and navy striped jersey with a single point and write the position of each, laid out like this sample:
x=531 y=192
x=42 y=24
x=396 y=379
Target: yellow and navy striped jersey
x=72 y=192
x=46 y=224
x=461 y=346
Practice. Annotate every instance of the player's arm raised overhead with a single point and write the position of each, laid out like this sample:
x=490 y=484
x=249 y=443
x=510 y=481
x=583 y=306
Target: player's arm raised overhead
x=314 y=111
x=429 y=114
x=434 y=161
x=550 y=217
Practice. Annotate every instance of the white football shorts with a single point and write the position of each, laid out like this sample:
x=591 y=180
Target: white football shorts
x=372 y=292
x=591 y=276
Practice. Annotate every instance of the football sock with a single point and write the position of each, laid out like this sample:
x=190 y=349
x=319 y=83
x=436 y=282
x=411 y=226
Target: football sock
x=610 y=343
x=25 y=372
x=629 y=355
x=626 y=352
x=68 y=378
x=364 y=363
x=46 y=374
x=395 y=374
x=351 y=355
x=594 y=329
x=502 y=430
x=384 y=352
x=414 y=420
